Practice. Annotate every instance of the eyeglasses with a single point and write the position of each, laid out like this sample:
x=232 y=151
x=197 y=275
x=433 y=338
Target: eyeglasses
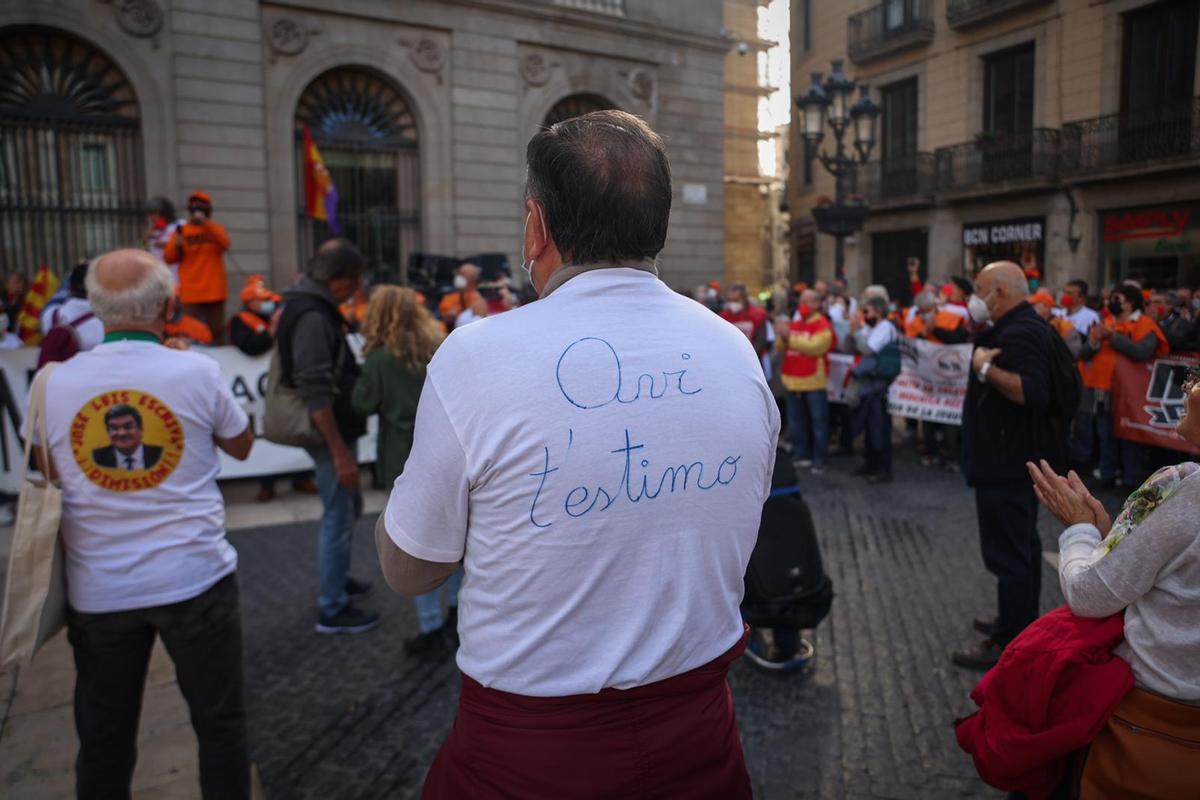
x=1191 y=380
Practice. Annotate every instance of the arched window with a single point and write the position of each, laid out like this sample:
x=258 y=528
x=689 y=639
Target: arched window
x=367 y=136
x=576 y=105
x=71 y=174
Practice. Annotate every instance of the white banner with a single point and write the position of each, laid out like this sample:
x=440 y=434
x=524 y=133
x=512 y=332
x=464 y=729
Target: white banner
x=841 y=367
x=932 y=384
x=247 y=379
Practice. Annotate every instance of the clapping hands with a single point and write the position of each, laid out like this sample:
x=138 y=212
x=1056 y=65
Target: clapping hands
x=1067 y=498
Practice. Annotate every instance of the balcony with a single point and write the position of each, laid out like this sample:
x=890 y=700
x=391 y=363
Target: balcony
x=961 y=14
x=1116 y=144
x=887 y=28
x=994 y=164
x=896 y=183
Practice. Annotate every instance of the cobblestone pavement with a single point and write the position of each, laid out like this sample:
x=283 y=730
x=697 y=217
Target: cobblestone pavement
x=352 y=717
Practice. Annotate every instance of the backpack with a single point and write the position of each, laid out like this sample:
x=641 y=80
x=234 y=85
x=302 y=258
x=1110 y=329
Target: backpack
x=786 y=584
x=1066 y=387
x=62 y=342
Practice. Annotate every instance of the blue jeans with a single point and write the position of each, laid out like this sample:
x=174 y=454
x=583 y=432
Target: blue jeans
x=337 y=528
x=429 y=605
x=808 y=418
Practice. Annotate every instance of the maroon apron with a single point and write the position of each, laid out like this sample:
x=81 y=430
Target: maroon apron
x=674 y=738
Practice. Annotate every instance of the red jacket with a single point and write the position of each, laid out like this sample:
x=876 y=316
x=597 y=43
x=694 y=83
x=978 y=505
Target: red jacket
x=1054 y=688
x=752 y=321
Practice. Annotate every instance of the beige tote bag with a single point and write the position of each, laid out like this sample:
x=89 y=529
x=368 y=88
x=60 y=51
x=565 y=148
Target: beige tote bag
x=35 y=598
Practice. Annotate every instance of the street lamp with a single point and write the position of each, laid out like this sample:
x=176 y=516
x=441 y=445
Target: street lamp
x=830 y=102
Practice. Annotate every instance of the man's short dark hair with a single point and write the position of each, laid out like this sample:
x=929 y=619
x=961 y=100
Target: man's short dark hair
x=77 y=282
x=122 y=411
x=336 y=258
x=1133 y=295
x=605 y=185
x=1080 y=284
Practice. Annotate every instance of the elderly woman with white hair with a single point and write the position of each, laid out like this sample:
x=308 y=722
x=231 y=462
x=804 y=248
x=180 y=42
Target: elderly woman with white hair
x=1145 y=564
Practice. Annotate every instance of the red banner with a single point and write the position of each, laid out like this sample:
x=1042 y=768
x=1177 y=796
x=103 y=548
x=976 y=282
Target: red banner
x=1148 y=400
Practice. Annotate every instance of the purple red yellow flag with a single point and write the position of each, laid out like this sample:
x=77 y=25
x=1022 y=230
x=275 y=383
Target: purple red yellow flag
x=320 y=195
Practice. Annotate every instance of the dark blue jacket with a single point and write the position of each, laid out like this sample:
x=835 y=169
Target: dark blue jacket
x=999 y=436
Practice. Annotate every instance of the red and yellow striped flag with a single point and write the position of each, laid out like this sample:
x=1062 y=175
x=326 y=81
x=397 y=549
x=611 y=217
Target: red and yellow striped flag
x=45 y=284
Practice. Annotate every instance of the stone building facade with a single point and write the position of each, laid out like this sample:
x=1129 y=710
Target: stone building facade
x=421 y=111
x=1062 y=134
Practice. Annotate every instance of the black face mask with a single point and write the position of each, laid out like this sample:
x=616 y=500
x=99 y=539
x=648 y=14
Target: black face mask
x=870 y=322
x=1115 y=307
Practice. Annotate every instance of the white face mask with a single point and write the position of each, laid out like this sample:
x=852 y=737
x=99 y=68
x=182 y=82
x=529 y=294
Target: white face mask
x=734 y=308
x=460 y=282
x=977 y=308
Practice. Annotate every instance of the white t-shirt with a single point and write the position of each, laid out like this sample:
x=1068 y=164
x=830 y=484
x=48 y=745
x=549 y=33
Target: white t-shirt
x=601 y=458
x=1083 y=318
x=149 y=536
x=91 y=331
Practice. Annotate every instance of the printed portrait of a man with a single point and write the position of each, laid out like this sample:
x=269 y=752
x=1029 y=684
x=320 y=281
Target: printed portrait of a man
x=126 y=451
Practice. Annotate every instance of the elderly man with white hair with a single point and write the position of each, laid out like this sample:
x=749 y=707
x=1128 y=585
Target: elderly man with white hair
x=132 y=434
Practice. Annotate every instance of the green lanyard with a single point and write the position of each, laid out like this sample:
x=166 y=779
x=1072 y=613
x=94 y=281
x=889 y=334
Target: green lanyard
x=135 y=336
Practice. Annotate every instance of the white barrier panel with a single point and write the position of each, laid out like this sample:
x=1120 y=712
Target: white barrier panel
x=246 y=377
x=840 y=368
x=932 y=384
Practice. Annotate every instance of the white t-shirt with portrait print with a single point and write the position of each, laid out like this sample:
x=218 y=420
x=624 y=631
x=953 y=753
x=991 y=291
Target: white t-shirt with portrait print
x=153 y=534
x=600 y=459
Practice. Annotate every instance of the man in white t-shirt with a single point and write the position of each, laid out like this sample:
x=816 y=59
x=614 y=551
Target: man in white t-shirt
x=1074 y=300
x=133 y=431
x=75 y=311
x=597 y=461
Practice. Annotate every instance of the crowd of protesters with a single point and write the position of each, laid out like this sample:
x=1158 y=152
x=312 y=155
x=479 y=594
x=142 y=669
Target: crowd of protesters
x=656 y=586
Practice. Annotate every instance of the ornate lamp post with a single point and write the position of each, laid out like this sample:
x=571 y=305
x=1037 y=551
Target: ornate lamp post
x=830 y=103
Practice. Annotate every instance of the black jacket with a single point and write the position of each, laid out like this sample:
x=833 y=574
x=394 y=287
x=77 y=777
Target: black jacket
x=999 y=436
x=107 y=456
x=315 y=357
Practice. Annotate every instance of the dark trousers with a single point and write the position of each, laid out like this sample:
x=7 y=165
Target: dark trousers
x=1012 y=551
x=203 y=636
x=872 y=417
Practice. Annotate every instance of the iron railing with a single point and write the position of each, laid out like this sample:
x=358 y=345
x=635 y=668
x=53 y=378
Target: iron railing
x=379 y=201
x=1023 y=157
x=889 y=27
x=70 y=188
x=1117 y=140
x=904 y=180
x=965 y=13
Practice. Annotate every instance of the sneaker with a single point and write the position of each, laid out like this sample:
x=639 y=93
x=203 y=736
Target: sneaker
x=804 y=463
x=424 y=644
x=818 y=470
x=348 y=620
x=762 y=652
x=983 y=655
x=879 y=477
x=356 y=588
x=984 y=625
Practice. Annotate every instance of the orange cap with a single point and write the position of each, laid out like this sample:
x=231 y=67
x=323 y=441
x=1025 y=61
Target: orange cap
x=1043 y=297
x=200 y=196
x=256 y=289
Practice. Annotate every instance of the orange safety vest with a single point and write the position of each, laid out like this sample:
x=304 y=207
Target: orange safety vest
x=1098 y=372
x=253 y=321
x=190 y=328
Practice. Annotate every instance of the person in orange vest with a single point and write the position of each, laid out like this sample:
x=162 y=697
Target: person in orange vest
x=185 y=330
x=465 y=293
x=198 y=247
x=805 y=377
x=1129 y=334
x=1043 y=303
x=919 y=321
x=952 y=323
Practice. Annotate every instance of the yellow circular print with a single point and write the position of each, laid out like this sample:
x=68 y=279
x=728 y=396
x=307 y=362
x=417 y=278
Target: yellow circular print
x=126 y=440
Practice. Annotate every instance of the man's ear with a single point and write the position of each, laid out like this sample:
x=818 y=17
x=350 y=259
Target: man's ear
x=536 y=235
x=169 y=308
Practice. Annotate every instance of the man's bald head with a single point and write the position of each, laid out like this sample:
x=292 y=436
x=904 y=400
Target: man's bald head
x=1003 y=286
x=811 y=298
x=129 y=289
